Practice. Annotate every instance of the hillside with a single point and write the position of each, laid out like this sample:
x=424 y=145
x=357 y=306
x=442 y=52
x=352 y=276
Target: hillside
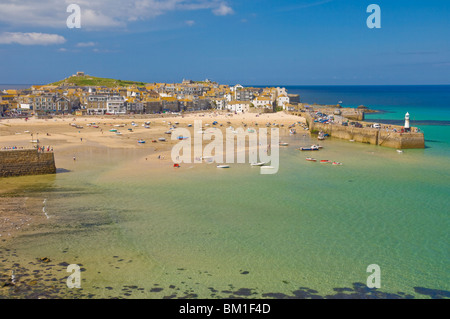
x=87 y=80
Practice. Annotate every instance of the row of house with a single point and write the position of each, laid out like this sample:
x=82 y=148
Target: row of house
x=151 y=98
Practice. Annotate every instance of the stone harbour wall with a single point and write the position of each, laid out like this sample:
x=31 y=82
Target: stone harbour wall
x=26 y=162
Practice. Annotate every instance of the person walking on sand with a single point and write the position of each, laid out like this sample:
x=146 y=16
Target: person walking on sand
x=74 y=158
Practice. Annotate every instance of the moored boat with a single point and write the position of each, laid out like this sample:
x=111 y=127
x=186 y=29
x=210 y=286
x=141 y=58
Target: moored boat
x=223 y=166
x=310 y=159
x=258 y=164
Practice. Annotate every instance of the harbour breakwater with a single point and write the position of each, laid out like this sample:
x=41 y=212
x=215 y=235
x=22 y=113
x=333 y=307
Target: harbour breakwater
x=26 y=162
x=391 y=136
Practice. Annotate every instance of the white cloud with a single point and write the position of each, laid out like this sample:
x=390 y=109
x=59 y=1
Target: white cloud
x=85 y=44
x=223 y=10
x=96 y=14
x=190 y=22
x=32 y=38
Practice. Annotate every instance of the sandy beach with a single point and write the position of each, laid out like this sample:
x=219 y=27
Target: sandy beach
x=66 y=140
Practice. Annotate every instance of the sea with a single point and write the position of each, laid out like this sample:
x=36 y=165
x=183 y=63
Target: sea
x=309 y=231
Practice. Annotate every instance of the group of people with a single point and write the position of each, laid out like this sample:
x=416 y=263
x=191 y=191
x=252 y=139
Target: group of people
x=7 y=148
x=44 y=149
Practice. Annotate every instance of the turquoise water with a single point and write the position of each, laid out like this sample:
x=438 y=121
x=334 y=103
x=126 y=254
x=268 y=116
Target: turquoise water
x=198 y=232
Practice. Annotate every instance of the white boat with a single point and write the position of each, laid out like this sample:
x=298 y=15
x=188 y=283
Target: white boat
x=284 y=144
x=162 y=139
x=258 y=164
x=399 y=151
x=223 y=166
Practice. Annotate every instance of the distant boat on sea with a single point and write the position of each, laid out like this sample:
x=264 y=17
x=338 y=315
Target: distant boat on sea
x=223 y=166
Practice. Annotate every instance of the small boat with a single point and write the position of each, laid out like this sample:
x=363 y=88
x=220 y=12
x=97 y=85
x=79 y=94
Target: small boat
x=168 y=132
x=176 y=165
x=113 y=130
x=162 y=139
x=284 y=144
x=223 y=166
x=180 y=138
x=336 y=163
x=292 y=131
x=351 y=140
x=141 y=142
x=310 y=159
x=309 y=149
x=130 y=129
x=399 y=151
x=258 y=164
x=146 y=126
x=189 y=125
x=250 y=130
x=118 y=133
x=325 y=161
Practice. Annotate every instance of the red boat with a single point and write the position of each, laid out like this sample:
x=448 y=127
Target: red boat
x=325 y=161
x=176 y=165
x=311 y=159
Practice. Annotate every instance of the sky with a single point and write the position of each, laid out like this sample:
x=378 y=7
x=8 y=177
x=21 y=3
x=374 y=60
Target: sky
x=250 y=42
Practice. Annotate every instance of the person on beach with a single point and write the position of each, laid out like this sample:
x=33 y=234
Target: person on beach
x=74 y=158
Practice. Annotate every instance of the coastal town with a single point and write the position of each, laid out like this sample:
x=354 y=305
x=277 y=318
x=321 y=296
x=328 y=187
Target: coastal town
x=65 y=97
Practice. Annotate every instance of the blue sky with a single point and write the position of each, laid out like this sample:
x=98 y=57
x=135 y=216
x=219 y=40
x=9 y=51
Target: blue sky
x=252 y=42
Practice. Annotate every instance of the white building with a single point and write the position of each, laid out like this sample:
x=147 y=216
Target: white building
x=263 y=102
x=283 y=101
x=239 y=106
x=221 y=104
x=116 y=105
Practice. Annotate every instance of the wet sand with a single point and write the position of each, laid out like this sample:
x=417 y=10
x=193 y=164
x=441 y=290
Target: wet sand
x=19 y=212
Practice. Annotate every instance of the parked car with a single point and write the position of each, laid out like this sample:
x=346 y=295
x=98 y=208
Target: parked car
x=376 y=125
x=358 y=125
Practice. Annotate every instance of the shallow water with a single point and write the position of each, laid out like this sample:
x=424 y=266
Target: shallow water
x=310 y=230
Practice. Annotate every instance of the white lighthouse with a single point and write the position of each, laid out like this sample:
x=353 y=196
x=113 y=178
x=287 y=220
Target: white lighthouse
x=407 y=127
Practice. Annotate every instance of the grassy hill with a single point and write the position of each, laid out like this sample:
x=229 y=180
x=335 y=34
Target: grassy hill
x=88 y=80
